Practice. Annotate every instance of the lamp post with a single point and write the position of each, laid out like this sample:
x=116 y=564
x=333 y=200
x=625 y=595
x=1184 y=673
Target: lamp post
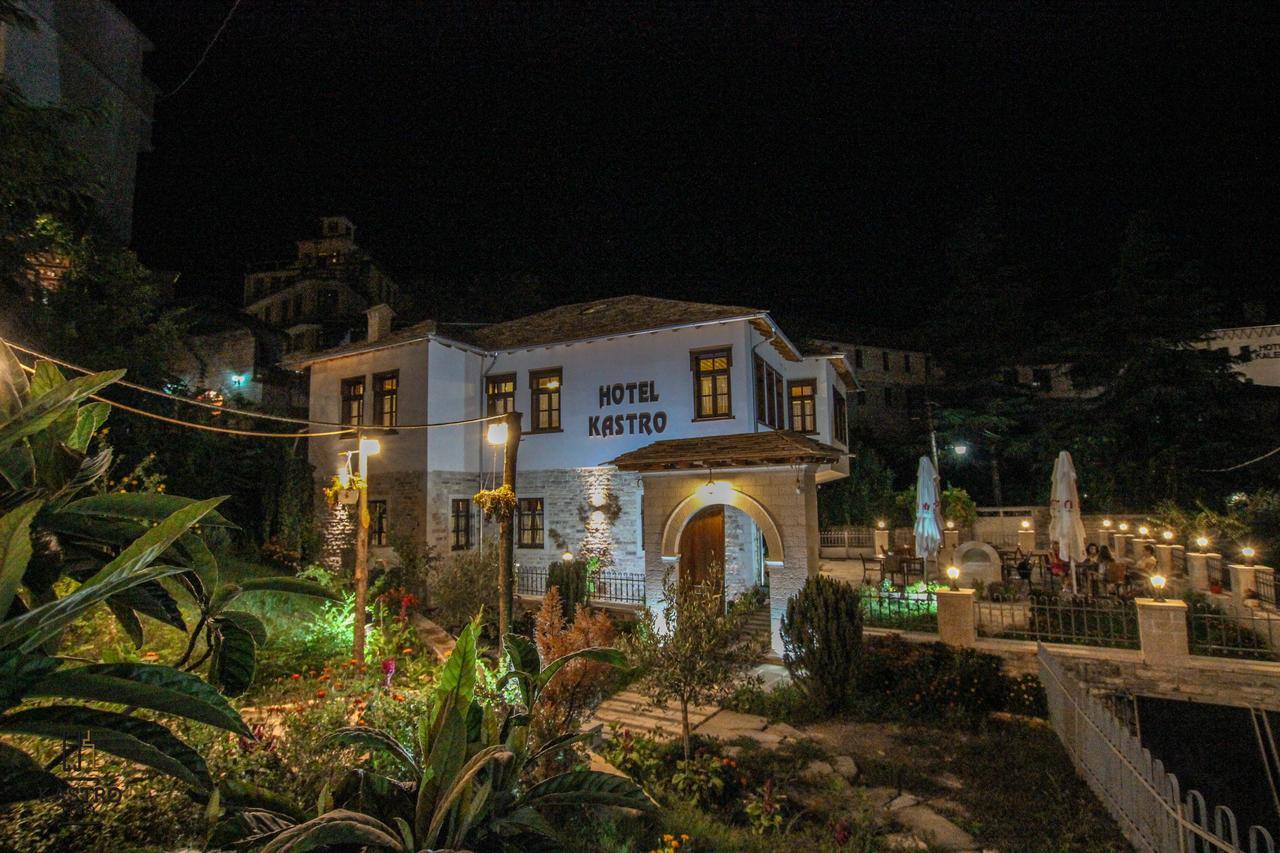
x=366 y=447
x=1157 y=583
x=953 y=575
x=506 y=433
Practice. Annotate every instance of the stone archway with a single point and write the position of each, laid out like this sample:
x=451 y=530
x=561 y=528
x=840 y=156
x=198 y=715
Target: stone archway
x=720 y=494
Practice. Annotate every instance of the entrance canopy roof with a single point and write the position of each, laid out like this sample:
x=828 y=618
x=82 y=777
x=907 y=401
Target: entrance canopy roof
x=728 y=451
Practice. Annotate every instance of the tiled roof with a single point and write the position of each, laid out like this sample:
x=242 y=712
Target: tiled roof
x=728 y=451
x=617 y=316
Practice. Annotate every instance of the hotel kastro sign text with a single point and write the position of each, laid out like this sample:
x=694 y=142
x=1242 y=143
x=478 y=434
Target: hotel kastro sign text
x=629 y=423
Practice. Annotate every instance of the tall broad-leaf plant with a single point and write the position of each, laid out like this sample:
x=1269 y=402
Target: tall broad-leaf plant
x=66 y=550
x=467 y=781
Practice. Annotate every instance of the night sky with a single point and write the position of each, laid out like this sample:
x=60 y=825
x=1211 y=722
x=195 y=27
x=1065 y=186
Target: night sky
x=812 y=160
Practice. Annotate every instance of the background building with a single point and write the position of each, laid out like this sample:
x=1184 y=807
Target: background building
x=316 y=297
x=1260 y=348
x=889 y=384
x=86 y=55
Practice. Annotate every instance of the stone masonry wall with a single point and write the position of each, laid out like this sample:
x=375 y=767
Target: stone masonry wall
x=741 y=553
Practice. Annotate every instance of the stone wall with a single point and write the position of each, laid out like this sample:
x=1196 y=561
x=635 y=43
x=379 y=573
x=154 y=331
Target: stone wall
x=571 y=495
x=741 y=553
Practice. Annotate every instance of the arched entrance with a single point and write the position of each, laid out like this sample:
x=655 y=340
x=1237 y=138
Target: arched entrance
x=702 y=549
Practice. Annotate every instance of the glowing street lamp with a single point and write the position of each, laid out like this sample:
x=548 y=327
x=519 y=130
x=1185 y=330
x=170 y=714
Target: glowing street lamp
x=1202 y=542
x=1248 y=553
x=961 y=449
x=497 y=434
x=1167 y=535
x=1144 y=531
x=953 y=574
x=1106 y=522
x=1124 y=527
x=1157 y=583
x=1026 y=524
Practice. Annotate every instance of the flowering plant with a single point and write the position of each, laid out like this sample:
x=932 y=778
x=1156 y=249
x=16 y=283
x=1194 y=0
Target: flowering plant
x=499 y=503
x=335 y=488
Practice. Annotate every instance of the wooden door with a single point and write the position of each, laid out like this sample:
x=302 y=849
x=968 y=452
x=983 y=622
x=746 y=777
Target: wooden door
x=702 y=549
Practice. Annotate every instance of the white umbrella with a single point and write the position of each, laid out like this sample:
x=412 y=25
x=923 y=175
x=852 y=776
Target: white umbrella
x=928 y=531
x=1065 y=524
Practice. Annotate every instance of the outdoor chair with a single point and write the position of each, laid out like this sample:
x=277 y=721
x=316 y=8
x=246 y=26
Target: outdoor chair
x=912 y=568
x=866 y=569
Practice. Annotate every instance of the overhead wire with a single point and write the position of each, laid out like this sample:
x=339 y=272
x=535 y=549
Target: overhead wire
x=228 y=410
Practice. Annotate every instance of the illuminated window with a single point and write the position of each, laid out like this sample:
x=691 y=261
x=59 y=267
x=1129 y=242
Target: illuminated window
x=500 y=394
x=377 y=522
x=386 y=398
x=804 y=414
x=529 y=523
x=711 y=383
x=545 y=389
x=353 y=400
x=839 y=417
x=460 y=524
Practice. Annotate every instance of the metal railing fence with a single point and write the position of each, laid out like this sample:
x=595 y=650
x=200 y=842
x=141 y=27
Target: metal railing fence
x=912 y=611
x=1250 y=633
x=847 y=537
x=1145 y=800
x=1076 y=620
x=611 y=586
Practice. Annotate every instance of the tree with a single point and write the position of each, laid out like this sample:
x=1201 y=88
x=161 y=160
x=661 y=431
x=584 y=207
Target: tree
x=698 y=652
x=862 y=497
x=822 y=641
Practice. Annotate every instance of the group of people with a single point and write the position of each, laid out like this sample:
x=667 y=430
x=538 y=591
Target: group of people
x=1100 y=570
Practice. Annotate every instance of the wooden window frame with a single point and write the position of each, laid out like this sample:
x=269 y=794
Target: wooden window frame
x=535 y=376
x=508 y=397
x=454 y=517
x=811 y=418
x=379 y=535
x=695 y=357
x=522 y=527
x=347 y=398
x=839 y=417
x=380 y=397
x=771 y=395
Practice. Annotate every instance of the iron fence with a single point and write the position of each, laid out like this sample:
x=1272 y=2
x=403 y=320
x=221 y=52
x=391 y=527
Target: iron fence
x=1178 y=557
x=905 y=611
x=1264 y=582
x=1218 y=571
x=1072 y=619
x=607 y=587
x=1250 y=632
x=1145 y=800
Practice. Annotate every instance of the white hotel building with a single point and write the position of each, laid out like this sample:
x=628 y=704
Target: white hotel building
x=657 y=434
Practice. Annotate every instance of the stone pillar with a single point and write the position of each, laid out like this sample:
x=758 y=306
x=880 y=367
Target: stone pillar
x=881 y=540
x=1027 y=540
x=1162 y=631
x=957 y=623
x=1164 y=559
x=1121 y=543
x=950 y=541
x=1103 y=536
x=1242 y=580
x=1198 y=570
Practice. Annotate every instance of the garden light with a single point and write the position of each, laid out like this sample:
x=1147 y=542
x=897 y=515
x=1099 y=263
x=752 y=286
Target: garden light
x=1106 y=522
x=1124 y=526
x=1248 y=554
x=370 y=446
x=961 y=449
x=880 y=524
x=953 y=573
x=1026 y=524
x=951 y=525
x=567 y=556
x=496 y=435
x=1144 y=531
x=1167 y=535
x=1158 y=582
x=1202 y=542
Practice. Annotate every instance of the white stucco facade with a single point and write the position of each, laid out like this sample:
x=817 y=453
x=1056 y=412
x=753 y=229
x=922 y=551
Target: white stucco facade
x=1260 y=347
x=617 y=393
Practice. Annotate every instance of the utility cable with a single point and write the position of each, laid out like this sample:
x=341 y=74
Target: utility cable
x=1252 y=461
x=241 y=412
x=205 y=53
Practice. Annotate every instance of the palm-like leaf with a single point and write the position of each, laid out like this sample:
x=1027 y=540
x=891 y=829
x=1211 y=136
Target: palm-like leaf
x=376 y=739
x=22 y=777
x=586 y=787
x=43 y=410
x=338 y=828
x=158 y=688
x=15 y=549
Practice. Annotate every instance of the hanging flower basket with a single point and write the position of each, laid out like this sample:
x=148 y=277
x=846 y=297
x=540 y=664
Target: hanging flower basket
x=335 y=493
x=499 y=503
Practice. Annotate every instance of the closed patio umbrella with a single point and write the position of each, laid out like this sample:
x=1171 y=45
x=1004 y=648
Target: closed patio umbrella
x=1065 y=525
x=927 y=529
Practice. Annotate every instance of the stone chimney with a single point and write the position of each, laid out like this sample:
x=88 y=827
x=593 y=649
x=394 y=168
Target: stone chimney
x=379 y=322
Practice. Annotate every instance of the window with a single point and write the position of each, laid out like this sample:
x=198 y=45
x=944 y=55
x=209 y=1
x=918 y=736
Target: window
x=545 y=388
x=711 y=383
x=906 y=362
x=857 y=359
x=500 y=394
x=460 y=524
x=839 y=417
x=804 y=414
x=771 y=406
x=386 y=398
x=353 y=400
x=377 y=522
x=529 y=523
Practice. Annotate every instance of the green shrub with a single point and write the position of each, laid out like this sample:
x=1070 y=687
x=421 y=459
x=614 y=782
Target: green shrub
x=822 y=640
x=570 y=578
x=462 y=585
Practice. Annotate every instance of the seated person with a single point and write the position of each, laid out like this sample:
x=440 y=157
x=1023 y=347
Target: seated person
x=1147 y=562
